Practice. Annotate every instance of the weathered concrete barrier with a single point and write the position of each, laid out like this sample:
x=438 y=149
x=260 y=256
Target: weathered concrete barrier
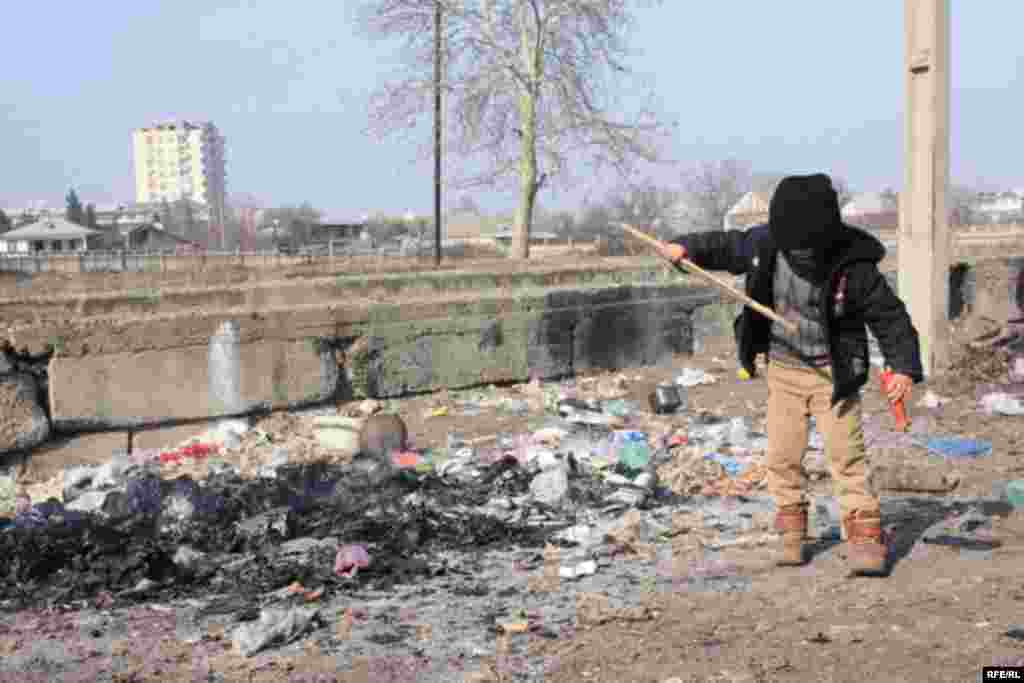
x=993 y=288
x=213 y=272
x=151 y=370
x=36 y=310
x=321 y=342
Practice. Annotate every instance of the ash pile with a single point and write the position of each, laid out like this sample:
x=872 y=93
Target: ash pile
x=122 y=533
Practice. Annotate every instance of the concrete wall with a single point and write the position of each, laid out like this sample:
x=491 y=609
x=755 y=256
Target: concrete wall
x=993 y=288
x=262 y=295
x=332 y=352
x=233 y=271
x=138 y=369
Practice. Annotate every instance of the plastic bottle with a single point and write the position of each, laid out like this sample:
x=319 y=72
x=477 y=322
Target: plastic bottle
x=1015 y=493
x=634 y=455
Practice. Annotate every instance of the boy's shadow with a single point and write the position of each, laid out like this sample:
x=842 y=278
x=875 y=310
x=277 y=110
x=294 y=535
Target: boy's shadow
x=912 y=518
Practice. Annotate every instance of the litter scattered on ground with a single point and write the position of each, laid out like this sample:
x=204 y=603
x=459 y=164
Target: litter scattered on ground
x=958 y=448
x=970 y=530
x=587 y=568
x=933 y=400
x=1015 y=493
x=339 y=432
x=594 y=474
x=692 y=377
x=350 y=560
x=8 y=495
x=1002 y=404
x=275 y=626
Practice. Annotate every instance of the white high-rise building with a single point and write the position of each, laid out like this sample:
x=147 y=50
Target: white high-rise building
x=180 y=159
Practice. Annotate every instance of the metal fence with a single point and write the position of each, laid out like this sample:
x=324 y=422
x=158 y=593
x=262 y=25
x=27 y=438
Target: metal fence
x=142 y=261
x=382 y=257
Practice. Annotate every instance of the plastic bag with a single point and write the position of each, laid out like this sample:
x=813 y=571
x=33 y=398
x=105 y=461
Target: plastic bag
x=1002 y=404
x=620 y=408
x=957 y=447
x=691 y=377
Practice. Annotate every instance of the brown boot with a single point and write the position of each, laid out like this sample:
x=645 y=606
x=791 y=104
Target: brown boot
x=792 y=522
x=868 y=552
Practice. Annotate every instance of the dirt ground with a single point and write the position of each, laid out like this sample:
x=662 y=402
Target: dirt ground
x=942 y=614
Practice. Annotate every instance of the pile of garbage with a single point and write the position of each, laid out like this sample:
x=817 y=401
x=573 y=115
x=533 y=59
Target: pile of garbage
x=127 y=530
x=146 y=523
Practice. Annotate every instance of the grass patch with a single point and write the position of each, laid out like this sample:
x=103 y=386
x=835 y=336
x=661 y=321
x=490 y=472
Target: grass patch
x=58 y=344
x=144 y=296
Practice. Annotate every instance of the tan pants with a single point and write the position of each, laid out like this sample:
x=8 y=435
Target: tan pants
x=794 y=394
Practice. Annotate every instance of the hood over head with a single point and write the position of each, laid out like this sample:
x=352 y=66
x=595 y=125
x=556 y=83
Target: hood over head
x=804 y=213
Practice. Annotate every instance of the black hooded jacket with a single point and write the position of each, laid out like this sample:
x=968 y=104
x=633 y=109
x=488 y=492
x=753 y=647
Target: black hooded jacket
x=867 y=300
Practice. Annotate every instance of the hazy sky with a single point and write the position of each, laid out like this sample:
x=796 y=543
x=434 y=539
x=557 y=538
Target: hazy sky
x=791 y=86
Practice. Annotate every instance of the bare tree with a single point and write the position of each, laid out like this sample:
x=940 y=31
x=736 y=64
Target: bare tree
x=466 y=205
x=528 y=89
x=645 y=205
x=714 y=187
x=963 y=205
x=595 y=222
x=296 y=222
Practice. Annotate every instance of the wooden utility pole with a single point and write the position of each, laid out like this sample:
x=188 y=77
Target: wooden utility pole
x=437 y=133
x=924 y=242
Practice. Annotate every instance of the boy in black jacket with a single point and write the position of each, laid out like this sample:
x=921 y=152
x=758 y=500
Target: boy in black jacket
x=823 y=275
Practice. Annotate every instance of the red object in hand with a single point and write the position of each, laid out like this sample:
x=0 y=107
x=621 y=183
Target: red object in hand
x=674 y=252
x=899 y=410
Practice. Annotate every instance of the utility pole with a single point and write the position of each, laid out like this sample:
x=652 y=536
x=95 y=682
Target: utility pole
x=925 y=244
x=437 y=133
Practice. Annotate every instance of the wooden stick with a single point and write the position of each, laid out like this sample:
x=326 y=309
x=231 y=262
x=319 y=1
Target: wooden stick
x=724 y=286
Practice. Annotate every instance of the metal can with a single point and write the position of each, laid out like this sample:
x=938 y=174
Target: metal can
x=666 y=399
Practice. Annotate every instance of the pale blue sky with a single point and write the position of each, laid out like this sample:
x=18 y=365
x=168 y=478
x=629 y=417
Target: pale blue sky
x=791 y=86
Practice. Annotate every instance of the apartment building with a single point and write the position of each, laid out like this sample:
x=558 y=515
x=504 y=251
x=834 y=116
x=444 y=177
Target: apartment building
x=180 y=159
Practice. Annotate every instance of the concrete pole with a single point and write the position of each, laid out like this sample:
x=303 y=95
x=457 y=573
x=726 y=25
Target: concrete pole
x=924 y=241
x=437 y=134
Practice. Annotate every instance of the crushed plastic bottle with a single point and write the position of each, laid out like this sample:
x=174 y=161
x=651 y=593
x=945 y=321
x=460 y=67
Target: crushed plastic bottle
x=739 y=431
x=1015 y=493
x=620 y=407
x=634 y=455
x=631 y=449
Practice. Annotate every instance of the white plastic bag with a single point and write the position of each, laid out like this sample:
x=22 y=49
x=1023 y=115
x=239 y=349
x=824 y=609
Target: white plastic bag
x=1002 y=404
x=691 y=377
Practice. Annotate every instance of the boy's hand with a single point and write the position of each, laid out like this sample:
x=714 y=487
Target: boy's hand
x=673 y=252
x=899 y=388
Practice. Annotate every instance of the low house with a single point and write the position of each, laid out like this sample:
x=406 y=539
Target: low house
x=150 y=237
x=999 y=207
x=463 y=225
x=505 y=233
x=50 y=235
x=325 y=232
x=873 y=211
x=750 y=210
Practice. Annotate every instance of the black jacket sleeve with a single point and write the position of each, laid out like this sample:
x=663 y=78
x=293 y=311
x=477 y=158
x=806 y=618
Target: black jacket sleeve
x=730 y=250
x=887 y=318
